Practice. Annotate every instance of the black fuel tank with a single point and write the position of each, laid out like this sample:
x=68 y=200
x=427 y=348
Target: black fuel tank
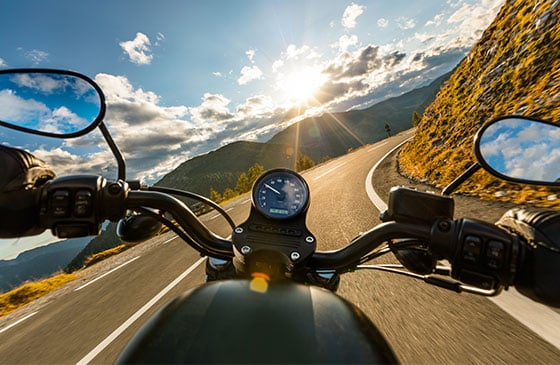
x=227 y=322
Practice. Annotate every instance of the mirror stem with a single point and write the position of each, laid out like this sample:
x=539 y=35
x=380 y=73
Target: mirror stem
x=118 y=155
x=458 y=181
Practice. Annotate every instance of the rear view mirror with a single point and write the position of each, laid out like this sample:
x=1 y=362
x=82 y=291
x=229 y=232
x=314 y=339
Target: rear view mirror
x=520 y=149
x=52 y=103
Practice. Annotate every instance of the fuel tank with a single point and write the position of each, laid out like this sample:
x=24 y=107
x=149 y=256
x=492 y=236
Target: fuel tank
x=228 y=322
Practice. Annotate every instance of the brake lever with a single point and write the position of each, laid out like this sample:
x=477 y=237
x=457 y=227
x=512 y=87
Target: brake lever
x=452 y=285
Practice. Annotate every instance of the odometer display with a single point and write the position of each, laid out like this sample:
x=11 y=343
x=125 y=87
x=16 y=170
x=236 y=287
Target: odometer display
x=280 y=194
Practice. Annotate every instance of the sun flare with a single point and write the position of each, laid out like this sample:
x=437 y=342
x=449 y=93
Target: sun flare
x=300 y=85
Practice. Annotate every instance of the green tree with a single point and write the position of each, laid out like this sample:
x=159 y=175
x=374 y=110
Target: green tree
x=416 y=118
x=229 y=194
x=215 y=196
x=254 y=172
x=304 y=162
x=243 y=185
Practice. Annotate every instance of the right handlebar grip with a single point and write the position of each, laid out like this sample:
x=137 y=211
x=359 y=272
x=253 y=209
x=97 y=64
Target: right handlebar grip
x=481 y=254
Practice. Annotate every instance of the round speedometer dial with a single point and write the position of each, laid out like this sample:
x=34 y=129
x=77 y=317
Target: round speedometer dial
x=281 y=194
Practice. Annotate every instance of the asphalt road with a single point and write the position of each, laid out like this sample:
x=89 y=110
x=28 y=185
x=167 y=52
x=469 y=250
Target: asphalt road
x=92 y=318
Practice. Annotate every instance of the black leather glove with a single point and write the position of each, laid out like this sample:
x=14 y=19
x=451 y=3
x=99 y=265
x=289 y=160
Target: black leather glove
x=21 y=177
x=538 y=276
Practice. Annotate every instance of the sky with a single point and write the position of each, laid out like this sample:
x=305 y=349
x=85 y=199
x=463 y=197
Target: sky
x=183 y=78
x=523 y=149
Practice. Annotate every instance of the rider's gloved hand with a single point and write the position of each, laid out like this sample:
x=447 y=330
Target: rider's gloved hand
x=538 y=276
x=22 y=174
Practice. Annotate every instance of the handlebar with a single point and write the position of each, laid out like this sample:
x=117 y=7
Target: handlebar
x=208 y=241
x=367 y=242
x=481 y=254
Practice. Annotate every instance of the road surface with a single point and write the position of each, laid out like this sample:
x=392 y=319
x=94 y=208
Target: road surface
x=93 y=317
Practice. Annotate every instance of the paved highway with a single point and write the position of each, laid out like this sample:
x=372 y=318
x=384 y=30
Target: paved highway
x=91 y=319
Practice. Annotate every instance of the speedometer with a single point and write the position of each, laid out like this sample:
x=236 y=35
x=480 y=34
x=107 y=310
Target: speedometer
x=281 y=194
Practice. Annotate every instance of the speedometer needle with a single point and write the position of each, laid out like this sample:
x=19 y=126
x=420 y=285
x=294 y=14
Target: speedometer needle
x=271 y=188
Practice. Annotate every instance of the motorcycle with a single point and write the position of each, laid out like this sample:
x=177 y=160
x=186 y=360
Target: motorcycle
x=270 y=294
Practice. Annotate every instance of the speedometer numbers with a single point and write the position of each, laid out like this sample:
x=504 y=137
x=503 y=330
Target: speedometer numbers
x=281 y=194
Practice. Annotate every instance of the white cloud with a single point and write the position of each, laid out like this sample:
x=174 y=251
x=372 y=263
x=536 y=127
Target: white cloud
x=346 y=41
x=382 y=23
x=160 y=37
x=139 y=49
x=40 y=82
x=36 y=56
x=351 y=13
x=251 y=55
x=304 y=52
x=3 y=63
x=424 y=37
x=18 y=110
x=256 y=106
x=277 y=65
x=217 y=73
x=406 y=23
x=470 y=20
x=249 y=74
x=436 y=21
x=214 y=108
x=62 y=120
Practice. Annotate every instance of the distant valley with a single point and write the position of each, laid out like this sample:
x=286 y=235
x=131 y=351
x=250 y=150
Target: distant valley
x=39 y=262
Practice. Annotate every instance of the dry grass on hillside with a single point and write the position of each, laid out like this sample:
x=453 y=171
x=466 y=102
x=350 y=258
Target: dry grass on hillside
x=513 y=69
x=28 y=292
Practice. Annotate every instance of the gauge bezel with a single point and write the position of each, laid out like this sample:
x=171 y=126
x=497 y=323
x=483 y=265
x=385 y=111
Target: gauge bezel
x=281 y=172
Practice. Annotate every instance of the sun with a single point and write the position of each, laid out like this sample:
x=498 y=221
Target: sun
x=300 y=85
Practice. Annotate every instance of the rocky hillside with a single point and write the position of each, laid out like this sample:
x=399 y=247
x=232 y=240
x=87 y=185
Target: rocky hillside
x=513 y=69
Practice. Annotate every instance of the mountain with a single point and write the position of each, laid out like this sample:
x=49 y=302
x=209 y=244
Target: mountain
x=513 y=69
x=329 y=135
x=220 y=169
x=39 y=262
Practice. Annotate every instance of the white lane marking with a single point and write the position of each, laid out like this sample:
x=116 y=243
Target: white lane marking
x=18 y=322
x=169 y=240
x=375 y=199
x=377 y=146
x=329 y=171
x=540 y=319
x=107 y=273
x=116 y=333
x=214 y=216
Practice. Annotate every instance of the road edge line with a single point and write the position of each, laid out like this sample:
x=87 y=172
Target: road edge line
x=372 y=194
x=18 y=322
x=107 y=273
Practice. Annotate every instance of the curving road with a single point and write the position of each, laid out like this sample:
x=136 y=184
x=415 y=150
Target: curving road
x=91 y=319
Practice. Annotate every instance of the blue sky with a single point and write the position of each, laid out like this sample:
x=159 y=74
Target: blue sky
x=186 y=77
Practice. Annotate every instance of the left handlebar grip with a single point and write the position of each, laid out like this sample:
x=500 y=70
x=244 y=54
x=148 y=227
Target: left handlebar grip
x=75 y=206
x=19 y=213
